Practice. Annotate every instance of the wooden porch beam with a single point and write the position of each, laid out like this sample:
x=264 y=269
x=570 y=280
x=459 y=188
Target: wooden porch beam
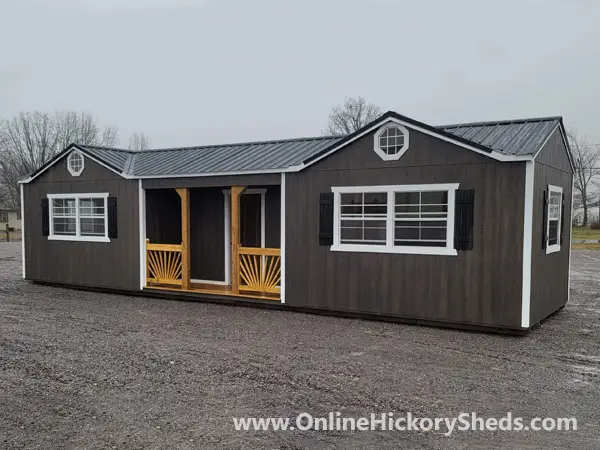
x=184 y=194
x=236 y=191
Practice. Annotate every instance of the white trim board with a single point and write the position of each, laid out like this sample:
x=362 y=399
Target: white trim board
x=282 y=241
x=67 y=152
x=142 y=226
x=527 y=244
x=22 y=229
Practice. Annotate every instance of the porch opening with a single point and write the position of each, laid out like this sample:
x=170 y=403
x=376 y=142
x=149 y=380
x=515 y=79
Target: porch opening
x=229 y=237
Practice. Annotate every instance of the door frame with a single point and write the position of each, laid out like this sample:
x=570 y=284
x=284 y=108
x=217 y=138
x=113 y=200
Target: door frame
x=227 y=225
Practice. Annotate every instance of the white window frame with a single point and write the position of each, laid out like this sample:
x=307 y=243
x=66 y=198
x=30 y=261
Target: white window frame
x=77 y=236
x=448 y=250
x=556 y=247
x=383 y=155
x=73 y=172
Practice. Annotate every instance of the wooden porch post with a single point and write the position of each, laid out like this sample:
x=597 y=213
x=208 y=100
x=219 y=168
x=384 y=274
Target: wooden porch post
x=236 y=191
x=184 y=193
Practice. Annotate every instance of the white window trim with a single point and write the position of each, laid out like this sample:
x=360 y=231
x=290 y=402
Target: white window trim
x=449 y=250
x=75 y=173
x=556 y=247
x=77 y=237
x=383 y=155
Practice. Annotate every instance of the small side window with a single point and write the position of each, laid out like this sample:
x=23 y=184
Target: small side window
x=553 y=218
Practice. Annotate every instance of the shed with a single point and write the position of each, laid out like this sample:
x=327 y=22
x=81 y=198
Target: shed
x=461 y=225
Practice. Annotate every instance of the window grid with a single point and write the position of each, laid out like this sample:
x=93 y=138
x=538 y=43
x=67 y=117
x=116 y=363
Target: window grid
x=391 y=141
x=363 y=218
x=79 y=217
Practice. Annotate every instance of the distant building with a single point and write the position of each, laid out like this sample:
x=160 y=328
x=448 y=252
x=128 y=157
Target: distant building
x=10 y=216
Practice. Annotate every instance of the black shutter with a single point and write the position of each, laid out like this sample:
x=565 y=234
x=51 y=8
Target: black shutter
x=562 y=220
x=45 y=217
x=112 y=217
x=545 y=222
x=326 y=218
x=463 y=219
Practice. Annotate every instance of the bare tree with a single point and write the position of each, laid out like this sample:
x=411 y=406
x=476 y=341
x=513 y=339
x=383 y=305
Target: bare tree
x=138 y=141
x=354 y=114
x=30 y=139
x=586 y=159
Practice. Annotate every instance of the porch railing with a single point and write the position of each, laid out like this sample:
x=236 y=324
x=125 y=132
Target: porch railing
x=260 y=269
x=164 y=263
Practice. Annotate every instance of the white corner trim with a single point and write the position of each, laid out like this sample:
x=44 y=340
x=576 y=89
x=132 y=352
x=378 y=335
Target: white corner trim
x=556 y=247
x=72 y=171
x=227 y=225
x=142 y=225
x=527 y=244
x=282 y=241
x=383 y=155
x=22 y=229
x=570 y=241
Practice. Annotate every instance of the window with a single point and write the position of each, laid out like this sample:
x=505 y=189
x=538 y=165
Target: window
x=75 y=163
x=391 y=141
x=554 y=213
x=395 y=219
x=3 y=217
x=78 y=217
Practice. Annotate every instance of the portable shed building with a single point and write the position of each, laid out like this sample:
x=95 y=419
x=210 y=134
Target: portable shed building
x=462 y=225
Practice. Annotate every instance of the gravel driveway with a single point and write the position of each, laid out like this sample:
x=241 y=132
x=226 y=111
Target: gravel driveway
x=86 y=370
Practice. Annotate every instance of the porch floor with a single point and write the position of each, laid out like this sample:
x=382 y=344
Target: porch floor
x=216 y=289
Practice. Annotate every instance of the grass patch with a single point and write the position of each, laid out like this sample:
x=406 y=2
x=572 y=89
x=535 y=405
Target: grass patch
x=585 y=246
x=585 y=233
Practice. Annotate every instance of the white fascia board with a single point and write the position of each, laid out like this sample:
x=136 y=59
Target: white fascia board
x=493 y=154
x=66 y=154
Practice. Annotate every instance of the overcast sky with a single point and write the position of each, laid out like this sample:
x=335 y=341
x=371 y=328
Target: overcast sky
x=190 y=72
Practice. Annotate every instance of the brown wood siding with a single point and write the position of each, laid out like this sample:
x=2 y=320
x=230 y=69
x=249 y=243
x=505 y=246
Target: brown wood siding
x=554 y=154
x=550 y=272
x=479 y=287
x=112 y=265
x=273 y=217
x=208 y=234
x=268 y=179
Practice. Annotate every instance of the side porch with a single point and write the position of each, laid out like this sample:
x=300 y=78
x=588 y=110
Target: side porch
x=213 y=239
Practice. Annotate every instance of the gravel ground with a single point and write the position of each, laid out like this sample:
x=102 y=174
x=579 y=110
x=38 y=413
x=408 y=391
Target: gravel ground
x=86 y=370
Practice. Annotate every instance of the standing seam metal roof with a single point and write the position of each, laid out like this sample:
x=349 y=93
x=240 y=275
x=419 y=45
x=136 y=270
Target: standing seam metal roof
x=516 y=137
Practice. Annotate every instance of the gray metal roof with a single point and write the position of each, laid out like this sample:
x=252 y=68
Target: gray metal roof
x=117 y=158
x=242 y=157
x=511 y=137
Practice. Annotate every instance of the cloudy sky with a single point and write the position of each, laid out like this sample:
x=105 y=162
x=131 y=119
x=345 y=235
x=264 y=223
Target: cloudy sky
x=191 y=72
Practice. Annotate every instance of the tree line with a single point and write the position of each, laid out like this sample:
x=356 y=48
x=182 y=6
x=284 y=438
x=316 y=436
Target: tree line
x=30 y=139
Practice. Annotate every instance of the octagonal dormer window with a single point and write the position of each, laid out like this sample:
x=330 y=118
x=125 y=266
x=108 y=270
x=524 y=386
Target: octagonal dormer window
x=75 y=163
x=391 y=141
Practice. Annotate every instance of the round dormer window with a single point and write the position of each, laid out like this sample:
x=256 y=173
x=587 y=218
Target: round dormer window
x=391 y=141
x=75 y=163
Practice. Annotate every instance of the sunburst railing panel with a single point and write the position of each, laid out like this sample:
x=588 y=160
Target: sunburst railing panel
x=163 y=264
x=260 y=269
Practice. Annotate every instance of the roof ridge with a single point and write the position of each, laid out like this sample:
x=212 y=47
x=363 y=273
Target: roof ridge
x=102 y=147
x=235 y=144
x=500 y=122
